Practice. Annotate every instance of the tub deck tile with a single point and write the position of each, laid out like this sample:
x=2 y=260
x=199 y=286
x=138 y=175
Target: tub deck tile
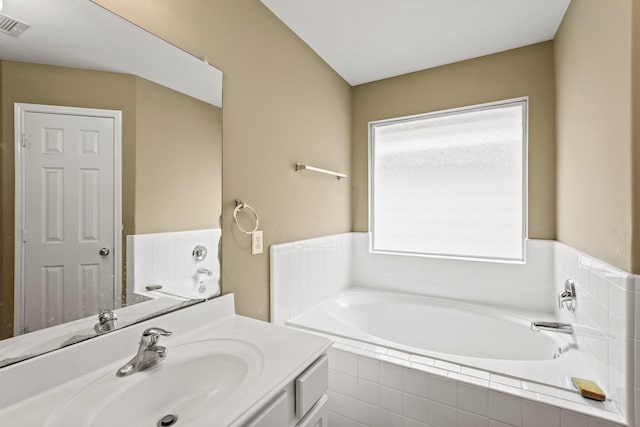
x=469 y=379
x=540 y=389
x=451 y=367
x=430 y=369
x=512 y=382
x=398 y=354
x=475 y=373
x=395 y=360
x=422 y=360
x=514 y=391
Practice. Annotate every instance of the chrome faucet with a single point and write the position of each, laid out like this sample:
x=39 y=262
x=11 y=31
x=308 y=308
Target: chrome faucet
x=206 y=271
x=148 y=353
x=568 y=297
x=106 y=321
x=563 y=328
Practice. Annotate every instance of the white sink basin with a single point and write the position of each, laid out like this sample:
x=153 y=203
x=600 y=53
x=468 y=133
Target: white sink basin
x=195 y=378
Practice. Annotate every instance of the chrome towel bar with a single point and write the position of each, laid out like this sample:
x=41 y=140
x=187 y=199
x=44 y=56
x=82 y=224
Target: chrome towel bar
x=301 y=167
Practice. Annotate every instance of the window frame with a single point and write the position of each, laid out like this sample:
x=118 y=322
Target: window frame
x=524 y=101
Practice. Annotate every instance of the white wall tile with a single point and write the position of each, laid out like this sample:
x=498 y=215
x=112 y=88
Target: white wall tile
x=390 y=419
x=468 y=405
x=348 y=406
x=166 y=258
x=391 y=375
x=368 y=368
x=416 y=382
x=416 y=408
x=316 y=268
x=473 y=399
x=408 y=422
x=332 y=354
x=391 y=399
x=347 y=363
x=505 y=408
x=368 y=392
x=595 y=422
x=333 y=380
x=336 y=420
x=443 y=390
x=573 y=419
x=348 y=385
x=442 y=415
x=368 y=415
x=467 y=419
x=538 y=414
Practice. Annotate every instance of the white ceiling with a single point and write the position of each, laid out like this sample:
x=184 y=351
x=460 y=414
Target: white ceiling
x=368 y=40
x=81 y=34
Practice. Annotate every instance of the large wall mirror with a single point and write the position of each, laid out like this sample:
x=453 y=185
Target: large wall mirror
x=110 y=173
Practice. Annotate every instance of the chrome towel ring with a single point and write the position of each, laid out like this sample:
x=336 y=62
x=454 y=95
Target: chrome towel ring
x=240 y=205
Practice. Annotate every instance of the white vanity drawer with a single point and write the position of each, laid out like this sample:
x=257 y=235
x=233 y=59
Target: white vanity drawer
x=275 y=415
x=318 y=416
x=312 y=385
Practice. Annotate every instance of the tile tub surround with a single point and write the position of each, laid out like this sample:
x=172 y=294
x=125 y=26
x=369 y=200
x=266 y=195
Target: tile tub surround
x=369 y=388
x=606 y=296
x=165 y=258
x=527 y=286
x=604 y=320
x=306 y=272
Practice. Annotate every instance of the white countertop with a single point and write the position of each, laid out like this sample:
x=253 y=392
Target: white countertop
x=31 y=391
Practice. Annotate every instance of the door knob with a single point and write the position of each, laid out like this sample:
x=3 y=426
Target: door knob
x=104 y=252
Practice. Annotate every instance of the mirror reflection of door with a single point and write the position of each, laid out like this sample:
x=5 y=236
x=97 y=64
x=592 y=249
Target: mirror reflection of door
x=69 y=207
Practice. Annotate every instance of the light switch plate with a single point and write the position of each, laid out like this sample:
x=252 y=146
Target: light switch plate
x=256 y=242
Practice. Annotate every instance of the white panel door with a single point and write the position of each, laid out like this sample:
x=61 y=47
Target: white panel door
x=68 y=217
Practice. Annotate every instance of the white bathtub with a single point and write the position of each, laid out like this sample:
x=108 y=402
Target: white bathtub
x=470 y=335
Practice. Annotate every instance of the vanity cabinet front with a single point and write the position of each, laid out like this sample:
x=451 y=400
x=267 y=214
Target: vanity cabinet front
x=302 y=403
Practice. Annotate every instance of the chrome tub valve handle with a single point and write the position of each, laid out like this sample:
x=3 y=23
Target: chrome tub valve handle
x=568 y=297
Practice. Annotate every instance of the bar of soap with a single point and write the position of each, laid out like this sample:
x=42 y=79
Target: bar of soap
x=588 y=389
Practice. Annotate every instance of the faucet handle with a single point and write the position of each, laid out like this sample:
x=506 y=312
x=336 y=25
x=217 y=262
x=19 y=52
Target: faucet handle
x=156 y=332
x=151 y=336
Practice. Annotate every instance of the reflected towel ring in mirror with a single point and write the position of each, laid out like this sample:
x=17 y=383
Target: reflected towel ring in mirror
x=240 y=205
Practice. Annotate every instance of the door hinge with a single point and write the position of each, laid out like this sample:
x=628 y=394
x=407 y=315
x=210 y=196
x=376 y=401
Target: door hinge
x=23 y=140
x=24 y=236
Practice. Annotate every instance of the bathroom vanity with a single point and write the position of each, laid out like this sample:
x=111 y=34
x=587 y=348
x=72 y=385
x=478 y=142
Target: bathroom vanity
x=220 y=369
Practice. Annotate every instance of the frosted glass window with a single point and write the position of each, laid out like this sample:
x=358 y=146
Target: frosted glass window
x=451 y=183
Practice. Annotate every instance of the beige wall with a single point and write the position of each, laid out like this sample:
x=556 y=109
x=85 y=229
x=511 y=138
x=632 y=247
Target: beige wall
x=593 y=105
x=282 y=104
x=178 y=161
x=527 y=71
x=165 y=136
